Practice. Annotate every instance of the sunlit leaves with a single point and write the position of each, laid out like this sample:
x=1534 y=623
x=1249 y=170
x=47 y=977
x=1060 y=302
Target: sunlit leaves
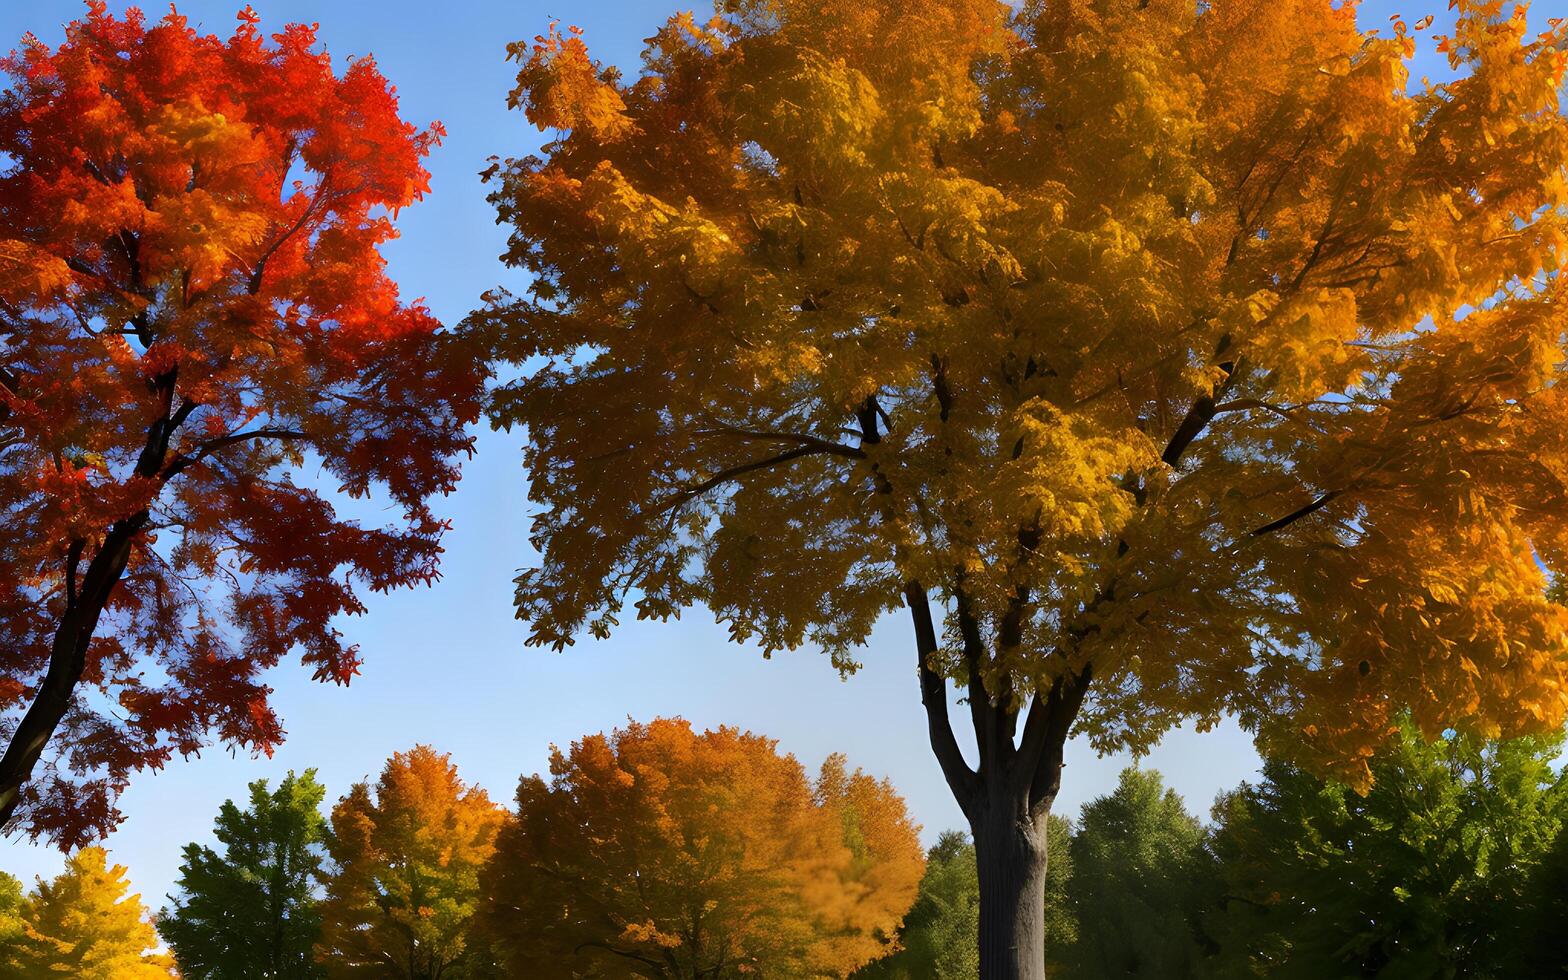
x=84 y=924
x=705 y=853
x=404 y=881
x=193 y=304
x=1190 y=342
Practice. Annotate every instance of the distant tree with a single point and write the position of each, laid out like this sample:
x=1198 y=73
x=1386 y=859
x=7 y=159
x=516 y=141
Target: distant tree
x=1158 y=358
x=1428 y=875
x=660 y=852
x=250 y=912
x=404 y=879
x=194 y=309
x=10 y=913
x=937 y=941
x=1539 y=950
x=1136 y=856
x=82 y=925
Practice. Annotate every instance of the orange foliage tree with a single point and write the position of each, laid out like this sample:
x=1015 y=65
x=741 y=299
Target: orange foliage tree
x=1163 y=359
x=660 y=852
x=404 y=881
x=192 y=304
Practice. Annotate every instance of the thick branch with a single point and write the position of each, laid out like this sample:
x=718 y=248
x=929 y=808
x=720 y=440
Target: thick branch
x=962 y=780
x=1060 y=710
x=992 y=734
x=1296 y=515
x=1200 y=415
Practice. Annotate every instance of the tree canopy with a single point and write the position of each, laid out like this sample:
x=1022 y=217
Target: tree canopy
x=403 y=884
x=1165 y=341
x=252 y=909
x=84 y=925
x=1190 y=358
x=1436 y=872
x=661 y=852
x=193 y=304
x=1137 y=875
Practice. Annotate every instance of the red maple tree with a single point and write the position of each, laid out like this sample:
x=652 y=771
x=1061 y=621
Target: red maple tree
x=193 y=306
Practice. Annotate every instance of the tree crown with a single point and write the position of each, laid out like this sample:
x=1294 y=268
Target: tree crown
x=1183 y=347
x=194 y=304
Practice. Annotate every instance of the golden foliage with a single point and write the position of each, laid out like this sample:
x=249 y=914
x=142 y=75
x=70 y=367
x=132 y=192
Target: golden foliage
x=83 y=925
x=1187 y=344
x=406 y=868
x=707 y=854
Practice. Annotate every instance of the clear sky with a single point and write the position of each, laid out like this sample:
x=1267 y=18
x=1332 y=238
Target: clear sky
x=447 y=665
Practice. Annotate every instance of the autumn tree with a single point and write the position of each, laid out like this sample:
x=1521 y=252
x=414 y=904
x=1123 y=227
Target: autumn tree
x=660 y=852
x=1435 y=872
x=10 y=913
x=1161 y=359
x=403 y=884
x=251 y=910
x=84 y=925
x=193 y=305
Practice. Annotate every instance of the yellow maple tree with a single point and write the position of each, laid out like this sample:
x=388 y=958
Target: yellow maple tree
x=662 y=852
x=1164 y=360
x=403 y=884
x=83 y=925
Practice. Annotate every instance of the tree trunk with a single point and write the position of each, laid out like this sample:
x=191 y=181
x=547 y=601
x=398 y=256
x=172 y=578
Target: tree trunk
x=67 y=661
x=1010 y=856
x=85 y=604
x=1008 y=797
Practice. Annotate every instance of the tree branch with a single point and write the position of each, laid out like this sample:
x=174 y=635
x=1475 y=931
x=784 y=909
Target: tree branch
x=983 y=711
x=207 y=449
x=1296 y=515
x=963 y=781
x=1201 y=413
x=690 y=493
x=1061 y=709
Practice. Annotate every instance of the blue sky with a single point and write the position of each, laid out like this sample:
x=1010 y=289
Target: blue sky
x=446 y=665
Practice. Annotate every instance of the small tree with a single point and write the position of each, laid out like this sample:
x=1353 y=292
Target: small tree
x=193 y=305
x=84 y=926
x=1137 y=878
x=1428 y=875
x=251 y=911
x=1162 y=359
x=404 y=880
x=659 y=852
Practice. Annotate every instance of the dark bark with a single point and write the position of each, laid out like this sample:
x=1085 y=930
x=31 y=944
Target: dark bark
x=1008 y=799
x=84 y=606
x=67 y=661
x=1010 y=856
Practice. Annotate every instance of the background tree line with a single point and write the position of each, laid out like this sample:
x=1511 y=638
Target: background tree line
x=1454 y=864
x=657 y=851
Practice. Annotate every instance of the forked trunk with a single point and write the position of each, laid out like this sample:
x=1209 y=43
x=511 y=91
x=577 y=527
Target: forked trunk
x=1010 y=856
x=1008 y=797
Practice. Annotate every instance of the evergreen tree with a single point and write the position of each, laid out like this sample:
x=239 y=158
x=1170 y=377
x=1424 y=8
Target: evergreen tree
x=1539 y=950
x=249 y=912
x=1430 y=874
x=1136 y=861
